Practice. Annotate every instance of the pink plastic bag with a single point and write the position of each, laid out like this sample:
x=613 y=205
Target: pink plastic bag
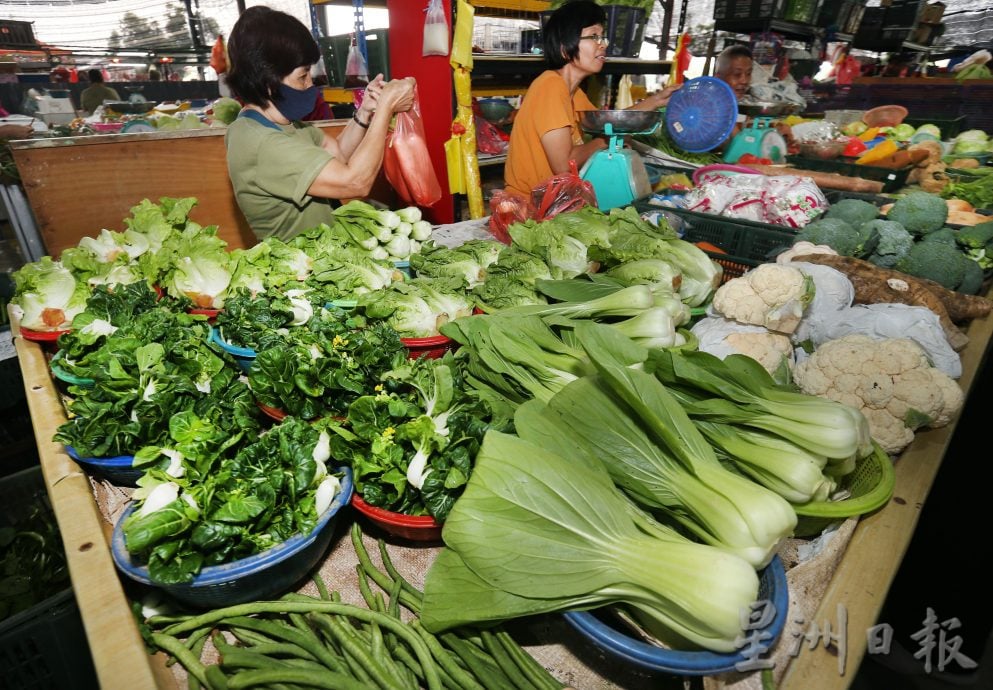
x=407 y=162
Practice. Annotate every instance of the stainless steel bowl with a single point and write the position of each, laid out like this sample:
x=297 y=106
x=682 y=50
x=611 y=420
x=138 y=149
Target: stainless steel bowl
x=622 y=121
x=129 y=108
x=767 y=109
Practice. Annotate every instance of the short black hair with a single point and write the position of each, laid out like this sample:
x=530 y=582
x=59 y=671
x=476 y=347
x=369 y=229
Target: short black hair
x=264 y=47
x=95 y=76
x=561 y=32
x=731 y=53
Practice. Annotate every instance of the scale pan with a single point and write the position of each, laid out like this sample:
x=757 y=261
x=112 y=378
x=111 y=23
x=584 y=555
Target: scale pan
x=622 y=121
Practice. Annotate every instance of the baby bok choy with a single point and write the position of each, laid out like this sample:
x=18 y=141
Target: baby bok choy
x=538 y=532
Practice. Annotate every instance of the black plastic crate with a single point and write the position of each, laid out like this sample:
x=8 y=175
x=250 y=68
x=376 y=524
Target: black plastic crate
x=45 y=646
x=748 y=9
x=746 y=243
x=625 y=29
x=949 y=126
x=892 y=179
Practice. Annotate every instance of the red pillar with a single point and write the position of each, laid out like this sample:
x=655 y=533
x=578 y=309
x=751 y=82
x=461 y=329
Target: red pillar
x=434 y=88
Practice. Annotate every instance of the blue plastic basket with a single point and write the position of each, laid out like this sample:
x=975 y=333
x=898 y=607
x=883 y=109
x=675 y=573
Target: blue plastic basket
x=244 y=356
x=701 y=115
x=772 y=587
x=260 y=577
x=118 y=470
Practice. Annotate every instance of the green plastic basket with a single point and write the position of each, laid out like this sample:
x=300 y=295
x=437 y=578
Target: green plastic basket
x=869 y=487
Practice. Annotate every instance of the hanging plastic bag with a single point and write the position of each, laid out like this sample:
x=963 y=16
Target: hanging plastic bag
x=356 y=68
x=435 y=30
x=407 y=162
x=219 y=56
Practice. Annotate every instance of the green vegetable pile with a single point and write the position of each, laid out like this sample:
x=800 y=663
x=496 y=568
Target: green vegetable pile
x=32 y=560
x=325 y=642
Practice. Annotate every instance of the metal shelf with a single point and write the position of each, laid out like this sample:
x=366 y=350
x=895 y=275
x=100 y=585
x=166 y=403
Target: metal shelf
x=533 y=65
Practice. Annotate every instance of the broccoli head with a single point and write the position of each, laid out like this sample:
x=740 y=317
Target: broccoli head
x=972 y=281
x=840 y=236
x=976 y=236
x=853 y=211
x=919 y=212
x=937 y=261
x=894 y=242
x=946 y=235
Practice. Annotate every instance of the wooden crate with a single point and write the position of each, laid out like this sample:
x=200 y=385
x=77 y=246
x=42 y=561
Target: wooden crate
x=79 y=185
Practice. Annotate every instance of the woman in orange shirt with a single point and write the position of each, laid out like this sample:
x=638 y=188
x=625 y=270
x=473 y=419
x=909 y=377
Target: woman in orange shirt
x=546 y=133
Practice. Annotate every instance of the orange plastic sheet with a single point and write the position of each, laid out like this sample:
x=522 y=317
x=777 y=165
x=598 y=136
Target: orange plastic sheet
x=464 y=126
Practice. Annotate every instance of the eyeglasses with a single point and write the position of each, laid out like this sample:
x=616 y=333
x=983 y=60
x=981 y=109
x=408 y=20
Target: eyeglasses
x=597 y=38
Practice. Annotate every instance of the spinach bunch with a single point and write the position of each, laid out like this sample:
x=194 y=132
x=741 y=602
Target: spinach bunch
x=320 y=370
x=412 y=444
x=145 y=373
x=243 y=501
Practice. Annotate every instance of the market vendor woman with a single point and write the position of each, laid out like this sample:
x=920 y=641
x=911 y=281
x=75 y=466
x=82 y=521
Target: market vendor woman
x=546 y=133
x=286 y=173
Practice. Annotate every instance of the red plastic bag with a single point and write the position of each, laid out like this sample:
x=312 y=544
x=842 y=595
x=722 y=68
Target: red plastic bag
x=407 y=162
x=561 y=193
x=219 y=56
x=490 y=138
x=507 y=208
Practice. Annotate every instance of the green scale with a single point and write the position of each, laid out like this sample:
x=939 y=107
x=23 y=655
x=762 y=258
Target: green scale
x=617 y=173
x=760 y=139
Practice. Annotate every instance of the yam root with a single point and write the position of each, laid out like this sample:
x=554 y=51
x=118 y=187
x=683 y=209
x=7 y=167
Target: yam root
x=959 y=306
x=822 y=179
x=933 y=178
x=873 y=284
x=966 y=218
x=932 y=150
x=965 y=163
x=959 y=205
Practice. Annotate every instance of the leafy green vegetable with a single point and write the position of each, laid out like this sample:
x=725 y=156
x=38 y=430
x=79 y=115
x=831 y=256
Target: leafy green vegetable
x=558 y=536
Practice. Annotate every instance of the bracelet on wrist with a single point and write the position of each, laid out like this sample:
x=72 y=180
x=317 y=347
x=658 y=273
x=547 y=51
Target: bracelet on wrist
x=363 y=125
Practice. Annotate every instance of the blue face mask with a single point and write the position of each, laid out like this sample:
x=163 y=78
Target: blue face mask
x=295 y=104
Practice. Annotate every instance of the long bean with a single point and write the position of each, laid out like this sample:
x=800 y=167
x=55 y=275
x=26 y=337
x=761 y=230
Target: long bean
x=395 y=574
x=371 y=665
x=328 y=680
x=535 y=672
x=192 y=682
x=375 y=573
x=187 y=658
x=465 y=680
x=506 y=664
x=480 y=663
x=291 y=634
x=322 y=588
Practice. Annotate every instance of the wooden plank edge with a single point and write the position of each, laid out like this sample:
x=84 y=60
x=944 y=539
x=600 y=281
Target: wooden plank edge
x=119 y=654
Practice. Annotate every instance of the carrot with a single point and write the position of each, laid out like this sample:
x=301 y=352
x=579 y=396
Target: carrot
x=708 y=247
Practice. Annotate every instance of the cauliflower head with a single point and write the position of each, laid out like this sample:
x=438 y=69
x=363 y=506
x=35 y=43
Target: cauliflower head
x=722 y=337
x=770 y=295
x=891 y=381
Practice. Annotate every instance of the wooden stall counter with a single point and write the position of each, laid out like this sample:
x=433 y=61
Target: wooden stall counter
x=78 y=186
x=861 y=579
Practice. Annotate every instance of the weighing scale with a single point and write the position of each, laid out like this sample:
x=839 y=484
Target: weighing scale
x=702 y=114
x=761 y=140
x=618 y=174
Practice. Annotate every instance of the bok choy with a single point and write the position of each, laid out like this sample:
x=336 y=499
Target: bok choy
x=536 y=532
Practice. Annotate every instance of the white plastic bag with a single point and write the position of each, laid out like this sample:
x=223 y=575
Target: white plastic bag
x=435 y=30
x=356 y=68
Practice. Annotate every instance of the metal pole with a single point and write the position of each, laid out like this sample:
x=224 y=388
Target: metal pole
x=23 y=222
